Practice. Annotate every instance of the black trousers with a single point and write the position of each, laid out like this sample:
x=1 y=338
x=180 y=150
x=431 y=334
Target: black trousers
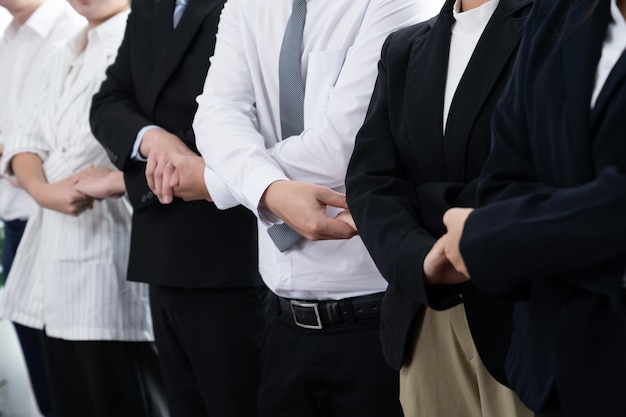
x=209 y=343
x=99 y=378
x=29 y=338
x=338 y=371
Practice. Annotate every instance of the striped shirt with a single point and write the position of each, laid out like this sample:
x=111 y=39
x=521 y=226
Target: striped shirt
x=69 y=274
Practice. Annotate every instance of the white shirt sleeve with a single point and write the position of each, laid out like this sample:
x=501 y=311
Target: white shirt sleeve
x=135 y=154
x=227 y=124
x=27 y=136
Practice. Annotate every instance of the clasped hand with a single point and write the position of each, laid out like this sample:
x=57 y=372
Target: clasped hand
x=444 y=263
x=100 y=182
x=303 y=207
x=63 y=196
x=172 y=168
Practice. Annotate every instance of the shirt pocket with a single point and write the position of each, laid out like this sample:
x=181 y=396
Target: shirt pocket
x=322 y=72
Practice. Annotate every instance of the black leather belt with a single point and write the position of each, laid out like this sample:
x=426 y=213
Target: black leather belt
x=318 y=314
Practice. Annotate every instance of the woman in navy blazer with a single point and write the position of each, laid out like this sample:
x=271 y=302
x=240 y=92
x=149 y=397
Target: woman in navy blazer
x=407 y=169
x=551 y=229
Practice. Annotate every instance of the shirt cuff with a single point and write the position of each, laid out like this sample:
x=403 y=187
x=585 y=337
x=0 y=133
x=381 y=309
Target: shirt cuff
x=135 y=154
x=254 y=190
x=222 y=198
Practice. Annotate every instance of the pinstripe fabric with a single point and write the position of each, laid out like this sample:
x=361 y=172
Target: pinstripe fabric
x=291 y=90
x=69 y=273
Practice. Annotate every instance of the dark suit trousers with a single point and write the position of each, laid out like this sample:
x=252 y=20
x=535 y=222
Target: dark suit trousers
x=338 y=371
x=209 y=343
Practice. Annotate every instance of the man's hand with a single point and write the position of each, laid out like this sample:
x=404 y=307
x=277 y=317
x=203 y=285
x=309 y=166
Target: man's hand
x=186 y=177
x=158 y=146
x=346 y=217
x=62 y=196
x=454 y=219
x=303 y=207
x=437 y=267
x=101 y=182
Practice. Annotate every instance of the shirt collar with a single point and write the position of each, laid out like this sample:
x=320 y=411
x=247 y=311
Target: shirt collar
x=42 y=20
x=108 y=32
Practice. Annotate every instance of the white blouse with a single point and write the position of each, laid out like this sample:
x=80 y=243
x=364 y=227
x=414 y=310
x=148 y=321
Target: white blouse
x=21 y=50
x=612 y=48
x=69 y=274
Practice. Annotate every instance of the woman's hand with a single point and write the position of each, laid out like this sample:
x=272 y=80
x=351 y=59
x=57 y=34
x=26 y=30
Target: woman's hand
x=454 y=219
x=62 y=196
x=101 y=182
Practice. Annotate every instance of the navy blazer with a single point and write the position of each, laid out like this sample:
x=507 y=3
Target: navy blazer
x=155 y=79
x=552 y=231
x=405 y=172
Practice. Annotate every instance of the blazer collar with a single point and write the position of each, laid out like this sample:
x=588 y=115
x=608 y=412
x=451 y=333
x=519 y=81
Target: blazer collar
x=491 y=56
x=426 y=82
x=171 y=44
x=425 y=94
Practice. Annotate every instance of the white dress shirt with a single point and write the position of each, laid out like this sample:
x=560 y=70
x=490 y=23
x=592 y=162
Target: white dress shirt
x=70 y=272
x=467 y=29
x=612 y=49
x=237 y=125
x=21 y=53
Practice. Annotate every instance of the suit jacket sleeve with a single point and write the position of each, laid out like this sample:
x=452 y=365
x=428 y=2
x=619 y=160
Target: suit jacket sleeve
x=528 y=229
x=116 y=119
x=385 y=204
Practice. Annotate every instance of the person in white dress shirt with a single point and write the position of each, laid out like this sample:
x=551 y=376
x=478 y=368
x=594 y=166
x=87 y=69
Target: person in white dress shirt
x=32 y=27
x=322 y=353
x=70 y=267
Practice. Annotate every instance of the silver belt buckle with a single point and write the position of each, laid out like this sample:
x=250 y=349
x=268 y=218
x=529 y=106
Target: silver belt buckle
x=317 y=326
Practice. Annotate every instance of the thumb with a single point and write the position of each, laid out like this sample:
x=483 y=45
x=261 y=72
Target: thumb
x=332 y=198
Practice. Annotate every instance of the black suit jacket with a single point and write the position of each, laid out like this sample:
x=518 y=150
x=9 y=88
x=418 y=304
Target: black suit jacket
x=405 y=172
x=155 y=79
x=554 y=231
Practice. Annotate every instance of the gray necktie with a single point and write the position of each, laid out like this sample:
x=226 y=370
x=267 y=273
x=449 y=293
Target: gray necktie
x=291 y=103
x=179 y=9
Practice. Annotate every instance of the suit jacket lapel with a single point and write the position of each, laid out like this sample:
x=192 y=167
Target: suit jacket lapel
x=162 y=25
x=581 y=53
x=498 y=41
x=425 y=86
x=171 y=45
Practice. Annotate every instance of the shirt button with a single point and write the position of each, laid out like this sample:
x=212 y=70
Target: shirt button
x=283 y=279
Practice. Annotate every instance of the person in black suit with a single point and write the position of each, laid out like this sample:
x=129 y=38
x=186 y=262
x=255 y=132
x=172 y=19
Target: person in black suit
x=409 y=165
x=551 y=229
x=200 y=262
